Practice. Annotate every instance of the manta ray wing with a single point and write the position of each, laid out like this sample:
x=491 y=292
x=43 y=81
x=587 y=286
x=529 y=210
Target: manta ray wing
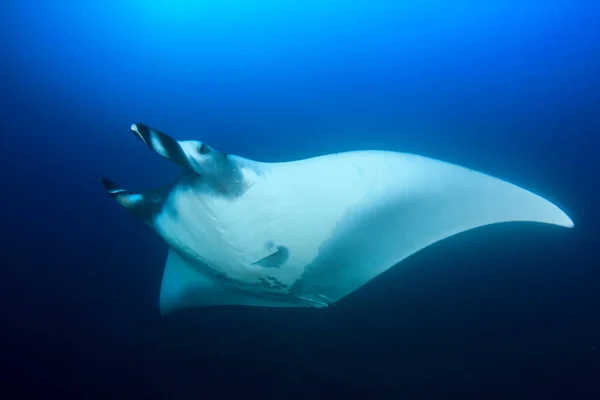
x=410 y=202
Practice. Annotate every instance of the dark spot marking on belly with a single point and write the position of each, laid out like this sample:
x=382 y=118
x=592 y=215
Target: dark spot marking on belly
x=270 y=283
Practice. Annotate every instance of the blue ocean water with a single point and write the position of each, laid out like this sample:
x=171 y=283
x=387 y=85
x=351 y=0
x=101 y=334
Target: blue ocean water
x=508 y=88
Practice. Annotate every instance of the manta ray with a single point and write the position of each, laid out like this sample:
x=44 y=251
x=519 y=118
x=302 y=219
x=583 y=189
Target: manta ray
x=309 y=232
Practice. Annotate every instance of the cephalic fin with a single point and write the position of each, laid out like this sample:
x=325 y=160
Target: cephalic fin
x=142 y=204
x=162 y=144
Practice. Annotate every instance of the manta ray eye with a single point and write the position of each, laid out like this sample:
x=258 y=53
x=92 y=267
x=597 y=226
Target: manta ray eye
x=203 y=149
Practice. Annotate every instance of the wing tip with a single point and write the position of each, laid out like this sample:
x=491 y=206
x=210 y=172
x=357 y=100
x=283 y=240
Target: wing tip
x=560 y=218
x=568 y=223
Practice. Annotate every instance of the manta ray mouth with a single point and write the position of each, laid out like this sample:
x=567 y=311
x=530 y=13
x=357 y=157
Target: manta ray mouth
x=147 y=203
x=161 y=143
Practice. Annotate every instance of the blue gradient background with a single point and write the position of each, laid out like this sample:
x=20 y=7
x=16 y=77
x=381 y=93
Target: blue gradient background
x=510 y=88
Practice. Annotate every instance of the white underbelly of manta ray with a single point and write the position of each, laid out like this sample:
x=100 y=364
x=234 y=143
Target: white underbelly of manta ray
x=308 y=232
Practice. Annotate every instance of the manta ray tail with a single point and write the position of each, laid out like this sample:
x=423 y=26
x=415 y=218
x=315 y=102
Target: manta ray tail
x=141 y=204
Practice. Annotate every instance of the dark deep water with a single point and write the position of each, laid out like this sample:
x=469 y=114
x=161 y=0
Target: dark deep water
x=509 y=88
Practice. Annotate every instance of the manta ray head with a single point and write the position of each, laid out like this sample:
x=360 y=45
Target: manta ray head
x=194 y=155
x=211 y=171
x=218 y=170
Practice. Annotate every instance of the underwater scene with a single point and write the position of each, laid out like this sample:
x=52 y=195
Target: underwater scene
x=322 y=199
